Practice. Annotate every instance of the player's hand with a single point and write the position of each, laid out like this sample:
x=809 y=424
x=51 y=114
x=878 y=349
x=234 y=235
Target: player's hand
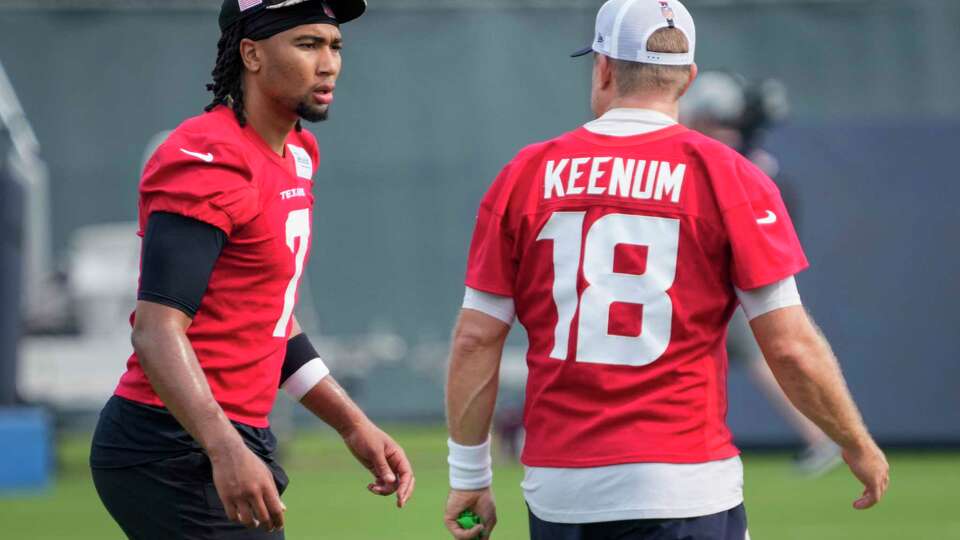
x=870 y=467
x=246 y=488
x=481 y=502
x=384 y=458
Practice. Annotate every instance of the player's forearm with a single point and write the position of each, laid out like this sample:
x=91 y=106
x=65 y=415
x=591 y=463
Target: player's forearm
x=171 y=366
x=807 y=370
x=326 y=399
x=329 y=402
x=472 y=383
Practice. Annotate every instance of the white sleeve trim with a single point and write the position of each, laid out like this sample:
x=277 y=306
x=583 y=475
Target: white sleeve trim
x=494 y=305
x=757 y=302
x=471 y=467
x=305 y=378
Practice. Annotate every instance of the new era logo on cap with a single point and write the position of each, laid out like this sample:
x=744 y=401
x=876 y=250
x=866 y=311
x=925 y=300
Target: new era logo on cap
x=287 y=3
x=277 y=4
x=247 y=4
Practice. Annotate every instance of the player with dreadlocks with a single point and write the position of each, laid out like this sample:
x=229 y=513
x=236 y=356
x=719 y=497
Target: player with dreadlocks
x=227 y=74
x=227 y=86
x=184 y=448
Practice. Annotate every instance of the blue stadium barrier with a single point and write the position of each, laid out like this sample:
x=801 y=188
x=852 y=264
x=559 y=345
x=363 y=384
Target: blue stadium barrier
x=25 y=451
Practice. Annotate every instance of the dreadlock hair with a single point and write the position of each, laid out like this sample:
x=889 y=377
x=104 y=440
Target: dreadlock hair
x=227 y=85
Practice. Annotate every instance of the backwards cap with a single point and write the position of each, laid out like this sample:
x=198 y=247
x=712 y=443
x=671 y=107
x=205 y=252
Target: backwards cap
x=624 y=27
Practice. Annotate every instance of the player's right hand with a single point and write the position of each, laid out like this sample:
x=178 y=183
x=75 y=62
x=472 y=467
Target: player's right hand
x=481 y=502
x=247 y=488
x=870 y=466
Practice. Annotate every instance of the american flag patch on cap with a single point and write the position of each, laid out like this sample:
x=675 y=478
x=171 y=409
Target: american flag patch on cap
x=247 y=4
x=667 y=12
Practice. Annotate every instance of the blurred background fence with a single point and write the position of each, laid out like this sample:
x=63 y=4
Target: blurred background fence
x=435 y=97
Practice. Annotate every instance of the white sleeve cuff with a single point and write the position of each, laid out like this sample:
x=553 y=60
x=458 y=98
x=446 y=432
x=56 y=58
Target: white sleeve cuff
x=494 y=305
x=471 y=467
x=757 y=302
x=305 y=378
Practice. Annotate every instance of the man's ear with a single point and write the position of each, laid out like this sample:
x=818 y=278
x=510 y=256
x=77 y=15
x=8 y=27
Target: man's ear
x=693 y=77
x=604 y=71
x=251 y=54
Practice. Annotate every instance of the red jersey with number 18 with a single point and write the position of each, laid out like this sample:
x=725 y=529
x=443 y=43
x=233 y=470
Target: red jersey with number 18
x=213 y=170
x=621 y=255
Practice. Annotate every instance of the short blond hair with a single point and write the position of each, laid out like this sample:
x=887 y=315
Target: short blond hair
x=637 y=77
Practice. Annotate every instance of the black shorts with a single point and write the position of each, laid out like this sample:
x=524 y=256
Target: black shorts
x=173 y=499
x=156 y=481
x=728 y=525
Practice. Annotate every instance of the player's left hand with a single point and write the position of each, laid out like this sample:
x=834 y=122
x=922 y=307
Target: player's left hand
x=384 y=458
x=869 y=464
x=481 y=502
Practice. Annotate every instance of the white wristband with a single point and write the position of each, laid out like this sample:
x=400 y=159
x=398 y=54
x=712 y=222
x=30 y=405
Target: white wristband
x=305 y=378
x=470 y=466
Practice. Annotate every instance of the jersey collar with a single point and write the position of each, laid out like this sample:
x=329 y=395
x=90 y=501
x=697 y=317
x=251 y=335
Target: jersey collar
x=629 y=122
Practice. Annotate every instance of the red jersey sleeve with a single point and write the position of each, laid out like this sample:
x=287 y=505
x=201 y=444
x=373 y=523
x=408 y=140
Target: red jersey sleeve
x=205 y=180
x=491 y=266
x=764 y=243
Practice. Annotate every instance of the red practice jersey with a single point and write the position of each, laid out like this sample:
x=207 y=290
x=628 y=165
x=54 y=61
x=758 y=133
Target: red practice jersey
x=621 y=255
x=215 y=171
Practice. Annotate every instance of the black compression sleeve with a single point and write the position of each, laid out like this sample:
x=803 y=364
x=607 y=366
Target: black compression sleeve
x=299 y=352
x=178 y=257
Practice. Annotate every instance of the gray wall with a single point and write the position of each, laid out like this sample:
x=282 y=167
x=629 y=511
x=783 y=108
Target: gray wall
x=880 y=225
x=432 y=103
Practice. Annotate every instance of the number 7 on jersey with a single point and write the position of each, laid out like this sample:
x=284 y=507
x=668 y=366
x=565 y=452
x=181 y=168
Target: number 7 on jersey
x=297 y=226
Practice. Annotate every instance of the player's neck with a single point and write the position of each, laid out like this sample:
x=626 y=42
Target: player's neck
x=670 y=108
x=271 y=124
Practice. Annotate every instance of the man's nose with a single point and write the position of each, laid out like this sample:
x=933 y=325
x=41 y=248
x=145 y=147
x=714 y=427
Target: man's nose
x=328 y=63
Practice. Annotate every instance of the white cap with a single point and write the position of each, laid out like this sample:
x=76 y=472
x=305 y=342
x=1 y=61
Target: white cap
x=625 y=26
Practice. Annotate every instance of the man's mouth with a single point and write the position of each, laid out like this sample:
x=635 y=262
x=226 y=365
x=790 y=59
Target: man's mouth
x=323 y=94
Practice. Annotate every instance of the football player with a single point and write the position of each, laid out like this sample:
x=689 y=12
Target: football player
x=624 y=247
x=184 y=448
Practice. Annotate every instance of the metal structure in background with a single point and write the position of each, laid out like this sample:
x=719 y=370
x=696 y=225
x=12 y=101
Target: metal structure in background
x=24 y=230
x=25 y=166
x=11 y=274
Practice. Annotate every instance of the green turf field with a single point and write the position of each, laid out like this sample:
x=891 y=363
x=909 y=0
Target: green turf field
x=327 y=498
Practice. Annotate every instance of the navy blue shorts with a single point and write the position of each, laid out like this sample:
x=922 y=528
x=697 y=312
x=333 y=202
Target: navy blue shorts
x=728 y=525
